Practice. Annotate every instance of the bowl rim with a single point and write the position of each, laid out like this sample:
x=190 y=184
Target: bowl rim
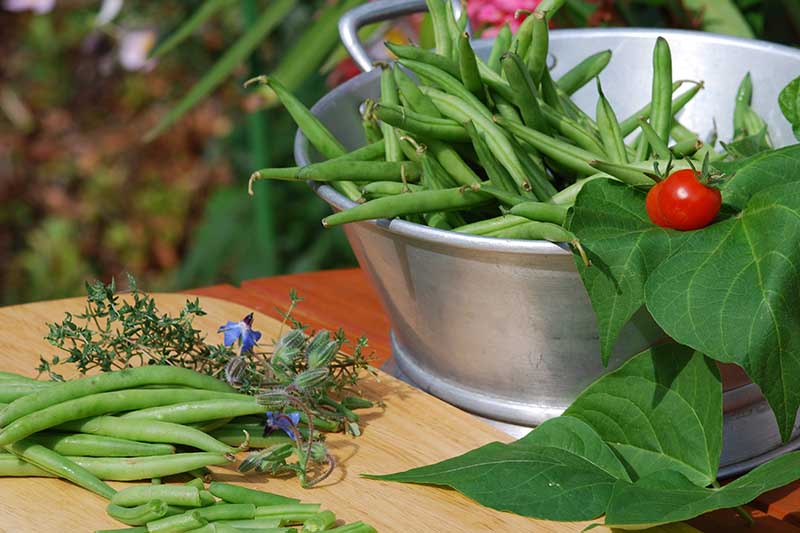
x=435 y=236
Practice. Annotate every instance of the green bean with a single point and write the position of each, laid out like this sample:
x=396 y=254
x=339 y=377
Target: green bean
x=183 y=495
x=754 y=124
x=744 y=96
x=506 y=109
x=60 y=466
x=484 y=227
x=138 y=515
x=149 y=431
x=200 y=411
x=437 y=128
x=549 y=7
x=686 y=148
x=389 y=96
x=500 y=46
x=98 y=446
x=573 y=131
x=450 y=159
x=452 y=29
x=468 y=67
x=526 y=96
x=139 y=529
x=567 y=195
x=628 y=125
x=236 y=437
x=522 y=40
x=550 y=92
x=10 y=391
x=494 y=170
x=502 y=195
x=441 y=32
x=584 y=72
x=421 y=55
x=390 y=187
x=536 y=60
x=417 y=101
x=409 y=204
x=496 y=139
x=369 y=152
x=577 y=114
x=409 y=149
x=228 y=511
x=572 y=157
x=177 y=523
x=211 y=425
x=535 y=231
x=137 y=468
x=681 y=133
x=319 y=522
x=109 y=381
x=661 y=114
x=538 y=178
x=624 y=173
x=118 y=468
x=647 y=167
x=657 y=144
x=290 y=513
x=493 y=80
x=610 y=134
x=258 y=524
x=358 y=171
x=97 y=404
x=447 y=83
x=355 y=527
x=541 y=212
x=315 y=131
x=236 y=494
x=197 y=483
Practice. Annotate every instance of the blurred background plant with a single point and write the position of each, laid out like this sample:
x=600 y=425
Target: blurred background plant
x=126 y=138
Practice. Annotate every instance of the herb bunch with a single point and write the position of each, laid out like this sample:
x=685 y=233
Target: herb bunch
x=114 y=333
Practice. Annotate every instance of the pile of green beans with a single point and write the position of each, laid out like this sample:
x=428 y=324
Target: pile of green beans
x=474 y=139
x=148 y=423
x=219 y=507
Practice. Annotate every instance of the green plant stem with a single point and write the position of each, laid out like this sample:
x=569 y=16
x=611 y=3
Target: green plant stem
x=741 y=511
x=258 y=139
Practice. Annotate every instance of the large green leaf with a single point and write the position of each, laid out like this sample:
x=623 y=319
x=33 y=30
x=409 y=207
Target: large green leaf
x=759 y=172
x=559 y=471
x=733 y=292
x=662 y=410
x=610 y=219
x=721 y=16
x=668 y=496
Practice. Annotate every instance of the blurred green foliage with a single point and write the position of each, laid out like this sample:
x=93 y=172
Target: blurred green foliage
x=81 y=196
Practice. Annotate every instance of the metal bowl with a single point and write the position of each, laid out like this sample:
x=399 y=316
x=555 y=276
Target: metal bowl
x=504 y=328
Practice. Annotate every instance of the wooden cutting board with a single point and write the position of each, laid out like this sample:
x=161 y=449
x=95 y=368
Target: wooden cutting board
x=413 y=429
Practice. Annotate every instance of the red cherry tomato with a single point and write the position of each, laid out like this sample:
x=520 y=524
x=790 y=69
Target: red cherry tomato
x=653 y=209
x=682 y=202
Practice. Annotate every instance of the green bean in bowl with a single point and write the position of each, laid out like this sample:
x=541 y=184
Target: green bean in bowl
x=498 y=148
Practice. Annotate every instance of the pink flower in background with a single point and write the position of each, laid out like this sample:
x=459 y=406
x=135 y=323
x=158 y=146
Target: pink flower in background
x=490 y=15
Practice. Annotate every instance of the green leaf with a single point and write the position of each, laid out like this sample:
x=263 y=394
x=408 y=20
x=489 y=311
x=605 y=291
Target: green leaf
x=733 y=292
x=559 y=471
x=758 y=172
x=748 y=146
x=610 y=220
x=269 y=19
x=203 y=13
x=789 y=100
x=661 y=410
x=669 y=497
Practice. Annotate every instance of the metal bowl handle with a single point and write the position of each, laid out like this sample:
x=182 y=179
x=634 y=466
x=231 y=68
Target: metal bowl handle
x=371 y=12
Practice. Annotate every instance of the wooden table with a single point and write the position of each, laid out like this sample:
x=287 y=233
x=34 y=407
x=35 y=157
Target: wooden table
x=344 y=298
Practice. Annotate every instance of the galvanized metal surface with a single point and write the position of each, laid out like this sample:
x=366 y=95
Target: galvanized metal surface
x=504 y=328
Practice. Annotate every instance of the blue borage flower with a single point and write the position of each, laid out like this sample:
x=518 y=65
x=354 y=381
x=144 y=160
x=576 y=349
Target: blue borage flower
x=283 y=421
x=241 y=331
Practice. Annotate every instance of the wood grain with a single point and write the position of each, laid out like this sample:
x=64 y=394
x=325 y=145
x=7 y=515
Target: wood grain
x=414 y=429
